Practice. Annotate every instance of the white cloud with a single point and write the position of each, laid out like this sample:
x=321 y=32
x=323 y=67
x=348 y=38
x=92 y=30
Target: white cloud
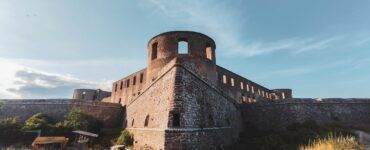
x=20 y=81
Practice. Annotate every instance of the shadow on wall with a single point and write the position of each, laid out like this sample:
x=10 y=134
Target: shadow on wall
x=295 y=135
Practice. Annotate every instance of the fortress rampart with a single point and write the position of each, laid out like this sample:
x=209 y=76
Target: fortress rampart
x=108 y=114
x=352 y=113
x=184 y=100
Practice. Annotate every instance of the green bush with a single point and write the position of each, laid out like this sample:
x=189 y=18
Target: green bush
x=126 y=138
x=77 y=120
x=38 y=121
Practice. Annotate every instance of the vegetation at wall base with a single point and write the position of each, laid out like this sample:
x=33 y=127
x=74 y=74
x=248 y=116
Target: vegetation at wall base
x=39 y=121
x=333 y=142
x=13 y=131
x=291 y=138
x=126 y=138
x=77 y=120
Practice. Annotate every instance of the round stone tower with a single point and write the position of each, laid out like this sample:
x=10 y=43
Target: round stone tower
x=199 y=54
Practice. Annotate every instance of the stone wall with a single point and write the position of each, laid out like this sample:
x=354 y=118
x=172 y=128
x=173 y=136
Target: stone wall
x=152 y=106
x=353 y=113
x=108 y=114
x=208 y=118
x=128 y=88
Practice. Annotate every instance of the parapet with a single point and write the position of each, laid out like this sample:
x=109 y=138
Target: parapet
x=166 y=46
x=283 y=93
x=90 y=94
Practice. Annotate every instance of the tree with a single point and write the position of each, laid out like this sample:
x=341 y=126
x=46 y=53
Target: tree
x=38 y=121
x=77 y=120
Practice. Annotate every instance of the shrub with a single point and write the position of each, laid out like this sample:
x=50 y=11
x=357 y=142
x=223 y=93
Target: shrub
x=38 y=121
x=126 y=138
x=77 y=120
x=333 y=143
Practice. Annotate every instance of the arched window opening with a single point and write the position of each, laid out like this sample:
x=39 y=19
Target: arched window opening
x=210 y=118
x=209 y=52
x=176 y=120
x=141 y=77
x=228 y=122
x=224 y=79
x=134 y=81
x=154 y=51
x=128 y=83
x=183 y=46
x=119 y=100
x=146 y=122
x=132 y=122
x=83 y=95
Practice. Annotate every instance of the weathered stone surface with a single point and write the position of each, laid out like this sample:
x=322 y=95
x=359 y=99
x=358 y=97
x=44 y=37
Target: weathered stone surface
x=353 y=113
x=108 y=114
x=187 y=101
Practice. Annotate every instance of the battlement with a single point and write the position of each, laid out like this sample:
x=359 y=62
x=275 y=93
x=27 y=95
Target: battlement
x=198 y=55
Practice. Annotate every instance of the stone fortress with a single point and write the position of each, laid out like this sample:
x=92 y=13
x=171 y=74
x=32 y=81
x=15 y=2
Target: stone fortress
x=184 y=100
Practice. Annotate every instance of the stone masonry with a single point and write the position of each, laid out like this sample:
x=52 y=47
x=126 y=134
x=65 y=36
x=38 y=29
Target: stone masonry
x=184 y=100
x=108 y=114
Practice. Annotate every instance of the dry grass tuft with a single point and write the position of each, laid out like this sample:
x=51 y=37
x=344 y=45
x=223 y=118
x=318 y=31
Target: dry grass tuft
x=334 y=143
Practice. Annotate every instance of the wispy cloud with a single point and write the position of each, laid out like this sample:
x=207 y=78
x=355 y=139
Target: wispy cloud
x=225 y=21
x=307 y=69
x=295 y=45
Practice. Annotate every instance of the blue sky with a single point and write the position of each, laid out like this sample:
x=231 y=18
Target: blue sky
x=319 y=48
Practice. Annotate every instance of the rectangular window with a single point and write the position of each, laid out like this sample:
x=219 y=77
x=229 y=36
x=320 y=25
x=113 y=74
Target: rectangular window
x=176 y=120
x=224 y=79
x=243 y=98
x=247 y=87
x=209 y=52
x=121 y=84
x=283 y=95
x=183 y=46
x=259 y=92
x=252 y=89
x=141 y=77
x=232 y=81
x=115 y=87
x=241 y=85
x=134 y=81
x=128 y=83
x=154 y=51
